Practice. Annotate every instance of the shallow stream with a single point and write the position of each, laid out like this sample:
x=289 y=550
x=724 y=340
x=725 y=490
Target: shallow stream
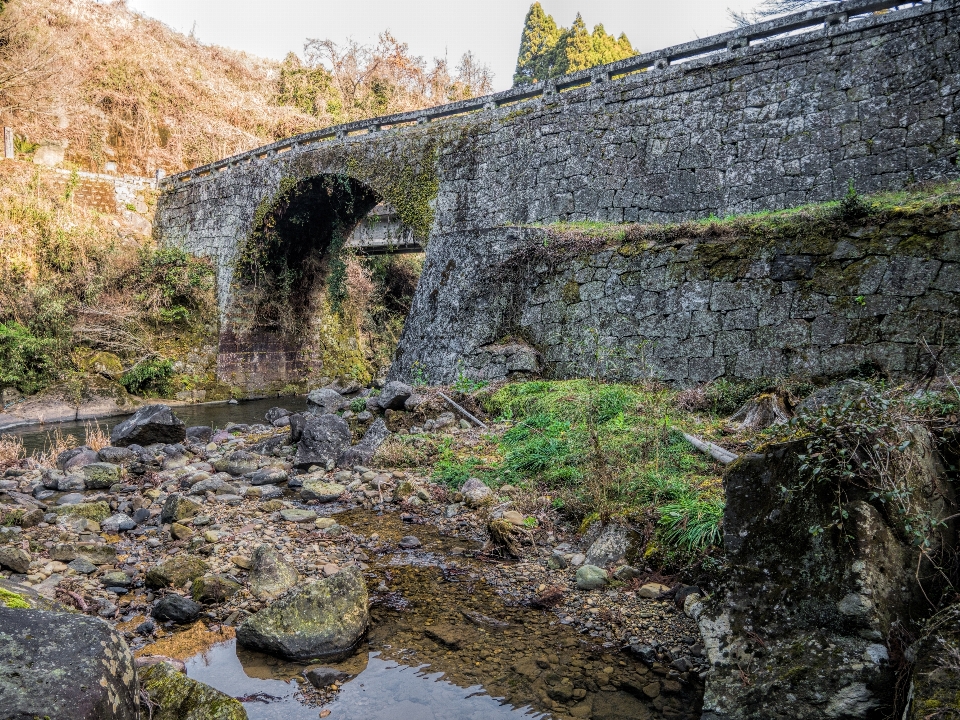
x=442 y=644
x=216 y=415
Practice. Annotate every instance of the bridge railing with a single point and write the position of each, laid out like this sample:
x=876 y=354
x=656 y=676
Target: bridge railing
x=833 y=16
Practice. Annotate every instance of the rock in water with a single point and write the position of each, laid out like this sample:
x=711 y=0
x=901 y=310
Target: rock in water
x=323 y=439
x=63 y=665
x=609 y=548
x=270 y=575
x=181 y=698
x=322 y=620
x=324 y=401
x=148 y=425
x=363 y=452
x=394 y=395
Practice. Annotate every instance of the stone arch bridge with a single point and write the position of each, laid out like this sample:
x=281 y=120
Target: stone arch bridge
x=770 y=116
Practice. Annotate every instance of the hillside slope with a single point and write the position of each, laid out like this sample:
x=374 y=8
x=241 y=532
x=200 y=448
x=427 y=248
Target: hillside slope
x=109 y=85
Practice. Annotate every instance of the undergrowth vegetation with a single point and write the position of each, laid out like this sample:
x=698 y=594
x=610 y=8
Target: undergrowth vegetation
x=81 y=292
x=594 y=450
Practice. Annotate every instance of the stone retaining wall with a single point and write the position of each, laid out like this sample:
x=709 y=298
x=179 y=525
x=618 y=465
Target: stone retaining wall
x=809 y=298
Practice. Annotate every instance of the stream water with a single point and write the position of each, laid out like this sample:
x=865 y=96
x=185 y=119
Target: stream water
x=442 y=644
x=37 y=437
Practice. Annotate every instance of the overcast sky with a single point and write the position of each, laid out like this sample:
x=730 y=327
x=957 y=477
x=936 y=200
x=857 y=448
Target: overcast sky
x=433 y=28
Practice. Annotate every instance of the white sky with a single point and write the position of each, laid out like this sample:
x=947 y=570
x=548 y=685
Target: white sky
x=433 y=28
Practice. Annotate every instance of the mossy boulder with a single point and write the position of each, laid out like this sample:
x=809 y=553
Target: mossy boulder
x=320 y=621
x=178 y=697
x=63 y=665
x=100 y=475
x=214 y=589
x=96 y=553
x=176 y=572
x=96 y=511
x=321 y=490
x=178 y=508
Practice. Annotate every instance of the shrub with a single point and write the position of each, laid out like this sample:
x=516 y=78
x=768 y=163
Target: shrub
x=150 y=377
x=27 y=362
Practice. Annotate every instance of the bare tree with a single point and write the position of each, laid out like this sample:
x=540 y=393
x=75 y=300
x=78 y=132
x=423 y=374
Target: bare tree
x=28 y=59
x=772 y=8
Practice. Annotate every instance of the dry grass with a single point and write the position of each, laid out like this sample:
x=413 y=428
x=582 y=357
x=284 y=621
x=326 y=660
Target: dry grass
x=132 y=90
x=187 y=643
x=11 y=450
x=97 y=437
x=55 y=444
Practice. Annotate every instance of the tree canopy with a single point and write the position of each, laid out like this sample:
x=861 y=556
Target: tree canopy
x=548 y=51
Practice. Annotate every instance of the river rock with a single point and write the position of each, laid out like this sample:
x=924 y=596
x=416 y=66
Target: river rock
x=475 y=493
x=297 y=515
x=239 y=462
x=148 y=425
x=15 y=559
x=100 y=475
x=275 y=413
x=115 y=579
x=322 y=620
x=363 y=451
x=324 y=401
x=64 y=665
x=269 y=476
x=609 y=548
x=117 y=455
x=177 y=508
x=177 y=697
x=270 y=575
x=71 y=484
x=199 y=434
x=409 y=542
x=175 y=608
x=82 y=566
x=97 y=553
x=214 y=589
x=96 y=511
x=591 y=577
x=215 y=484
x=176 y=572
x=394 y=395
x=76 y=458
x=321 y=677
x=322 y=441
x=321 y=490
x=120 y=522
x=651 y=591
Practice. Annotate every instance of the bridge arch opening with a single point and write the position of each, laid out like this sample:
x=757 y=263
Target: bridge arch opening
x=293 y=313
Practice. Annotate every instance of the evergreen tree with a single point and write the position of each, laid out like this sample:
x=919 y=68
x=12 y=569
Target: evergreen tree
x=540 y=35
x=548 y=51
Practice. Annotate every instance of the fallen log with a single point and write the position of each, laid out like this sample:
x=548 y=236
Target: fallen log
x=463 y=412
x=712 y=449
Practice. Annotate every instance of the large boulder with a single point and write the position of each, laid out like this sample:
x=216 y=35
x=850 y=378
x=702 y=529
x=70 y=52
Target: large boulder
x=64 y=666
x=363 y=452
x=394 y=395
x=320 y=621
x=270 y=575
x=174 y=696
x=239 y=462
x=148 y=425
x=807 y=615
x=322 y=441
x=325 y=401
x=15 y=559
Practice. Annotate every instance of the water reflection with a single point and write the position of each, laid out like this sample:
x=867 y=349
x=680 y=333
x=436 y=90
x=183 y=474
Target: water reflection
x=379 y=689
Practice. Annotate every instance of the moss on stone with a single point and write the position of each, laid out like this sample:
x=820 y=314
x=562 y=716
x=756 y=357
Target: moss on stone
x=13 y=600
x=178 y=696
x=96 y=511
